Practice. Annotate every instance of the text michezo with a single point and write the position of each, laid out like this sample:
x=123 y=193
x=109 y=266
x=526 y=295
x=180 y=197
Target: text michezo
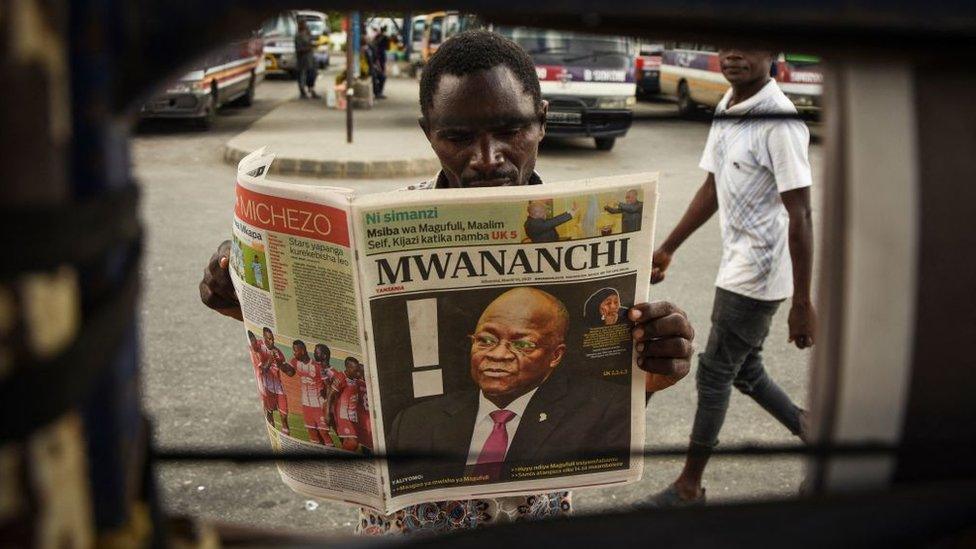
x=294 y=217
x=502 y=261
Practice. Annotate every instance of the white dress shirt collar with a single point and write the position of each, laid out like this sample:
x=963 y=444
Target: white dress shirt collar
x=483 y=424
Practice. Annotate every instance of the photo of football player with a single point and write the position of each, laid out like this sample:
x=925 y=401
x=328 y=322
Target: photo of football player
x=364 y=428
x=258 y=271
x=273 y=363
x=253 y=349
x=313 y=383
x=344 y=405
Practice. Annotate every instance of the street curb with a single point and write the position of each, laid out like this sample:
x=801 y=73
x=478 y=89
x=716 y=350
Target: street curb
x=349 y=169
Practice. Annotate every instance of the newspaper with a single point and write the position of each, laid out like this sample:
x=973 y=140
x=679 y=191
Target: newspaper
x=484 y=328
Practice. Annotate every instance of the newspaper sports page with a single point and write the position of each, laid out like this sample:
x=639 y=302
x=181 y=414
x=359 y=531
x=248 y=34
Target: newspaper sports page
x=293 y=268
x=483 y=328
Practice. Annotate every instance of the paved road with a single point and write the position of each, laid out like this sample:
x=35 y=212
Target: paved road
x=197 y=383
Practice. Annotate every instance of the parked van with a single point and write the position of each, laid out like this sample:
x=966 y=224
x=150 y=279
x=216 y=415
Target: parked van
x=228 y=75
x=587 y=79
x=278 y=34
x=691 y=73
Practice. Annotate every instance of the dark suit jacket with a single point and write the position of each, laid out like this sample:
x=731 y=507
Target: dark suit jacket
x=544 y=230
x=631 y=215
x=581 y=416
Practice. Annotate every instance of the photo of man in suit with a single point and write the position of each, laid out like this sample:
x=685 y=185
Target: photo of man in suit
x=538 y=228
x=630 y=210
x=526 y=409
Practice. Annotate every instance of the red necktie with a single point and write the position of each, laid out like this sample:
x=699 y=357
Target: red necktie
x=493 y=452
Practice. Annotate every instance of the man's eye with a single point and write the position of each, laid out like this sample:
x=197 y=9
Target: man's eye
x=523 y=345
x=458 y=137
x=507 y=132
x=486 y=340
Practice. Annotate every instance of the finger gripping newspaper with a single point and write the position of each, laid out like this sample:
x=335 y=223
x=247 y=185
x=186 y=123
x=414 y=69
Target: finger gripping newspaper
x=484 y=329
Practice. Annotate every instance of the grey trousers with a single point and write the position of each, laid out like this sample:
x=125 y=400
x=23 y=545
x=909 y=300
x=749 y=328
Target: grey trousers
x=733 y=357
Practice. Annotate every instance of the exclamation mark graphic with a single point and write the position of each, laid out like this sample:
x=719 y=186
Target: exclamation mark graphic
x=422 y=318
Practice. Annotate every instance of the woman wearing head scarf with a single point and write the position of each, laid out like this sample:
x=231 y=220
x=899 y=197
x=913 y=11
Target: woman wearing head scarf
x=603 y=308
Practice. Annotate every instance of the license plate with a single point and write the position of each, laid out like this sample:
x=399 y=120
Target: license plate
x=564 y=117
x=158 y=105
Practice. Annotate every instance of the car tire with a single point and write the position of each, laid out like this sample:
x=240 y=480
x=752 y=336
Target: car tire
x=686 y=107
x=247 y=99
x=210 y=111
x=605 y=143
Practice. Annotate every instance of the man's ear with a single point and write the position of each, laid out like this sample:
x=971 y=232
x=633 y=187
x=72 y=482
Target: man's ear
x=543 y=110
x=424 y=125
x=557 y=355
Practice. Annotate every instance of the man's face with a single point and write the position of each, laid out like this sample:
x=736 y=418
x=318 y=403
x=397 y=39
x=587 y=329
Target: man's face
x=299 y=352
x=537 y=211
x=744 y=66
x=268 y=338
x=516 y=345
x=485 y=128
x=631 y=197
x=321 y=355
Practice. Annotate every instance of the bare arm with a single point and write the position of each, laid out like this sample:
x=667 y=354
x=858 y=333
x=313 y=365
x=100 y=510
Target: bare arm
x=802 y=320
x=702 y=207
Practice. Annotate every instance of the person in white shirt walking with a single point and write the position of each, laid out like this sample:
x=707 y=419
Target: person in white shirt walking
x=759 y=182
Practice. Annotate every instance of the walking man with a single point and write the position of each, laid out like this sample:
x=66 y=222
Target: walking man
x=381 y=45
x=305 y=61
x=759 y=182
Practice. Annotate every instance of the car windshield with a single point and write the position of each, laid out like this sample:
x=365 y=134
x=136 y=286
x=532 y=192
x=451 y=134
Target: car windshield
x=316 y=25
x=549 y=47
x=281 y=25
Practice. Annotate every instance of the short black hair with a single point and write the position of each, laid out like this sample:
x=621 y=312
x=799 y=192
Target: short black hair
x=300 y=343
x=477 y=50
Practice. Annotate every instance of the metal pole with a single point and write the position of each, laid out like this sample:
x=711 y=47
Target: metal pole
x=350 y=72
x=407 y=34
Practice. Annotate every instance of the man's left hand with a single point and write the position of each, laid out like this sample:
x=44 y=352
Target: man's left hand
x=663 y=338
x=802 y=322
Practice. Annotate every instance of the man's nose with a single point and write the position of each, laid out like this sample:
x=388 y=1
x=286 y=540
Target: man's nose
x=501 y=352
x=488 y=155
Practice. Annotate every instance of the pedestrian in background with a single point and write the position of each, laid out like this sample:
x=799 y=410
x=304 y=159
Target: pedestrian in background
x=305 y=61
x=369 y=66
x=759 y=182
x=381 y=44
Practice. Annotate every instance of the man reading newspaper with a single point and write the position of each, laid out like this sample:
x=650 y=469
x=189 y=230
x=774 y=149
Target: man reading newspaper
x=483 y=113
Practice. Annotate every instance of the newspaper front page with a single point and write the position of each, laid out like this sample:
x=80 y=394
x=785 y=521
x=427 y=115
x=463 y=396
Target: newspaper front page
x=485 y=328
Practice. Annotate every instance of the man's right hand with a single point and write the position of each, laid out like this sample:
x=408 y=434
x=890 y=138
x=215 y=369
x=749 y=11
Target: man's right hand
x=216 y=288
x=659 y=263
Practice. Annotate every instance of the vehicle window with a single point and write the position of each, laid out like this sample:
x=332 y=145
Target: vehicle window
x=801 y=60
x=435 y=31
x=558 y=48
x=275 y=25
x=315 y=26
x=418 y=29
